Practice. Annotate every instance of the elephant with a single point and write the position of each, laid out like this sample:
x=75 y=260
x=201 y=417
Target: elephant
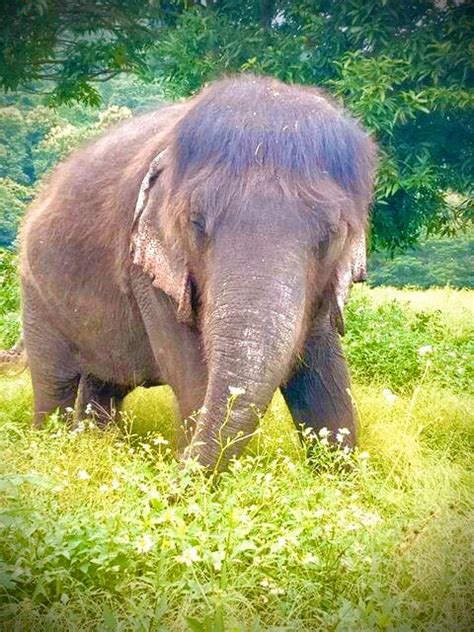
x=208 y=245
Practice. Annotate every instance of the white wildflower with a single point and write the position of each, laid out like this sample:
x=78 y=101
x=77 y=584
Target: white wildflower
x=309 y=434
x=145 y=543
x=168 y=515
x=80 y=427
x=290 y=466
x=324 y=433
x=217 y=558
x=425 y=350
x=236 y=390
x=389 y=397
x=276 y=590
x=160 y=441
x=189 y=556
x=115 y=484
x=240 y=515
x=279 y=545
x=89 y=410
x=154 y=494
x=194 y=509
x=83 y=475
x=366 y=518
x=342 y=434
x=309 y=558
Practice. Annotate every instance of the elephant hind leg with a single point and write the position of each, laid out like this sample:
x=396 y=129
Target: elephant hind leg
x=49 y=397
x=100 y=399
x=54 y=387
x=52 y=360
x=54 y=373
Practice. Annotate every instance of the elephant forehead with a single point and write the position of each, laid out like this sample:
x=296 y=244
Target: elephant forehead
x=293 y=132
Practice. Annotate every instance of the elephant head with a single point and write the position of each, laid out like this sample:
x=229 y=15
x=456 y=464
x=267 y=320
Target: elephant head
x=244 y=218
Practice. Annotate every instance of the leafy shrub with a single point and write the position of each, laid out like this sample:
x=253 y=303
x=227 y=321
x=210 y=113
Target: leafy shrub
x=393 y=344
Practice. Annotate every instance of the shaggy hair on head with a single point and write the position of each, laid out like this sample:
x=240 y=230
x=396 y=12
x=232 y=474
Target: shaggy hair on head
x=245 y=122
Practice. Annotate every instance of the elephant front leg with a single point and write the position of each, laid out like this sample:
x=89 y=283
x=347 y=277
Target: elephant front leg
x=318 y=393
x=177 y=351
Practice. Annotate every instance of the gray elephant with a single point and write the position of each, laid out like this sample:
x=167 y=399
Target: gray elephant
x=208 y=245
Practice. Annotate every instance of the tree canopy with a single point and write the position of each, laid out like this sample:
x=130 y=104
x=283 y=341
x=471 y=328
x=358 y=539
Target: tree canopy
x=403 y=67
x=75 y=43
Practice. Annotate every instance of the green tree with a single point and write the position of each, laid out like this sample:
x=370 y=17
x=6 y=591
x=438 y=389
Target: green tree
x=14 y=199
x=404 y=68
x=13 y=146
x=61 y=140
x=74 y=43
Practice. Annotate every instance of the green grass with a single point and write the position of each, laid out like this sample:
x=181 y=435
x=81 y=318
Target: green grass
x=102 y=531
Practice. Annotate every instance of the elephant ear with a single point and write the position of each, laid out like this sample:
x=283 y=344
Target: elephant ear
x=150 y=253
x=354 y=270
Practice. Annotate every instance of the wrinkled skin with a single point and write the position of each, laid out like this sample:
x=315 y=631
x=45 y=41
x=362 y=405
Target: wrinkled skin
x=208 y=246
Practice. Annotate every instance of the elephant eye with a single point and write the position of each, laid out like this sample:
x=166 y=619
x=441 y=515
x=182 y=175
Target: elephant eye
x=197 y=220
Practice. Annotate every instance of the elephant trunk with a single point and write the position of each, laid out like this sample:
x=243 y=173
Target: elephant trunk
x=253 y=323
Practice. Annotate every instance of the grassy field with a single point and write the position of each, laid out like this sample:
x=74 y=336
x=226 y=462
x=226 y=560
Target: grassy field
x=103 y=532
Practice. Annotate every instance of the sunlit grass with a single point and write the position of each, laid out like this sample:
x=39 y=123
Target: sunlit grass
x=455 y=306
x=103 y=531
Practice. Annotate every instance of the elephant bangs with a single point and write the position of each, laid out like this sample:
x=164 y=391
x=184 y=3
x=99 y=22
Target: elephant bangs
x=284 y=141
